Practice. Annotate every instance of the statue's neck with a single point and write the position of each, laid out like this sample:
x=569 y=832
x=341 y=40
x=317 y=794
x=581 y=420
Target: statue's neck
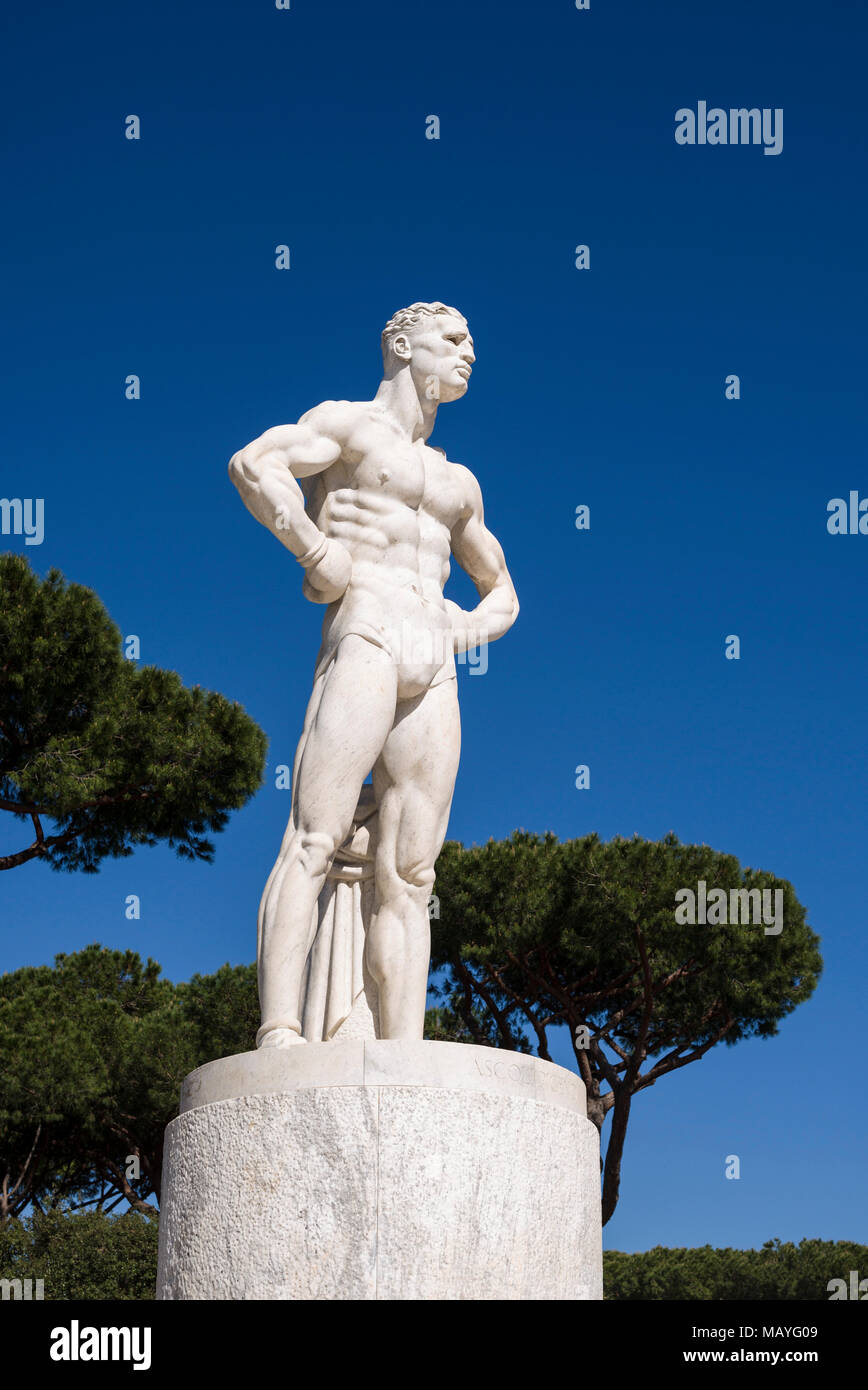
x=398 y=397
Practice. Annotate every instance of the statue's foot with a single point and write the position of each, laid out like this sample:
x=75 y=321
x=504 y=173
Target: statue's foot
x=281 y=1037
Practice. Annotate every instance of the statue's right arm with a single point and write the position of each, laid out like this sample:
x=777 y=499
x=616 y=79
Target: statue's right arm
x=265 y=473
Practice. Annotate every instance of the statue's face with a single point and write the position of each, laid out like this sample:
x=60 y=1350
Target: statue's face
x=440 y=353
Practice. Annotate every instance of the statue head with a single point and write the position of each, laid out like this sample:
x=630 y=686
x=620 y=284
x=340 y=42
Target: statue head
x=433 y=342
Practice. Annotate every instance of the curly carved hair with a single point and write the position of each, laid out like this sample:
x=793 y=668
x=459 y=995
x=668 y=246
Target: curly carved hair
x=405 y=318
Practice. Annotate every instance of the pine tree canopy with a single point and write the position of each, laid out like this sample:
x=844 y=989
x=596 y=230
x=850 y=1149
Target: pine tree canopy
x=113 y=755
x=587 y=936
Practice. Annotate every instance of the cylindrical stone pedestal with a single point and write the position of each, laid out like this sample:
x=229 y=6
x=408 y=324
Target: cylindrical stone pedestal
x=381 y=1170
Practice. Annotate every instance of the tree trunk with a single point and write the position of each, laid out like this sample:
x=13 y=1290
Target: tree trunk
x=614 y=1152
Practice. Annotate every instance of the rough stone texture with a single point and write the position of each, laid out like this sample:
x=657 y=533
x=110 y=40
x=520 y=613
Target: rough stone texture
x=356 y=1062
x=270 y=1197
x=465 y=1067
x=486 y=1197
x=381 y=1170
x=339 y=1063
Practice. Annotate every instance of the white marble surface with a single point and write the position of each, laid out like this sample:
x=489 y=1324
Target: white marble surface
x=375 y=515
x=360 y=1062
x=381 y=1171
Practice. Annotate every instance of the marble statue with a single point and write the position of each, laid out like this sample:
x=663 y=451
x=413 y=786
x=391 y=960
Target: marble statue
x=372 y=513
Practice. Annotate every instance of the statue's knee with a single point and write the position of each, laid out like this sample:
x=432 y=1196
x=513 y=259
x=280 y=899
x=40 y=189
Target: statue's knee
x=423 y=877
x=417 y=879
x=315 y=851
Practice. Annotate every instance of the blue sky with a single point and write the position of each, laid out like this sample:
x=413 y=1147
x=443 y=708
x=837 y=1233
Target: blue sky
x=603 y=387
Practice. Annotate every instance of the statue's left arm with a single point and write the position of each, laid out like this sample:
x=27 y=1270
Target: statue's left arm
x=479 y=554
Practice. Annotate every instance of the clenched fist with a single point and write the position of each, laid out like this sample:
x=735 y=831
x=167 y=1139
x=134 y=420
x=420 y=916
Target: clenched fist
x=328 y=574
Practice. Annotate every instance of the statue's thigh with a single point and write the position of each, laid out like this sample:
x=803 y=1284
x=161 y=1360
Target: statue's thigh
x=414 y=777
x=355 y=713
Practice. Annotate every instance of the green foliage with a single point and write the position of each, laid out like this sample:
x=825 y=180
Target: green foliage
x=443 y=1024
x=89 y=1255
x=114 y=755
x=558 y=923
x=777 y=1271
x=94 y=1053
x=223 y=1010
x=535 y=934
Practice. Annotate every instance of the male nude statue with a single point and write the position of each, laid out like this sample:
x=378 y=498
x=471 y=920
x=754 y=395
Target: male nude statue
x=373 y=525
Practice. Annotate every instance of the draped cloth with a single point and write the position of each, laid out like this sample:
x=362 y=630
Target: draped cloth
x=339 y=997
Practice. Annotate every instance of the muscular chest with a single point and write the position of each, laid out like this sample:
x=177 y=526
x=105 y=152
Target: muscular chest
x=443 y=499
x=378 y=461
x=412 y=475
